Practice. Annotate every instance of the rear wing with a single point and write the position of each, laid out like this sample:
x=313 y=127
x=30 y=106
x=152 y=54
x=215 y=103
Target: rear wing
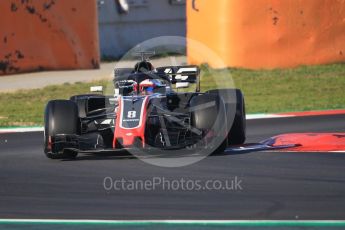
x=190 y=74
x=180 y=73
x=175 y=74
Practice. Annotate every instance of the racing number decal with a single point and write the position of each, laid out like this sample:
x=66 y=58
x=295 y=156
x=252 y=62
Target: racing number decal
x=132 y=114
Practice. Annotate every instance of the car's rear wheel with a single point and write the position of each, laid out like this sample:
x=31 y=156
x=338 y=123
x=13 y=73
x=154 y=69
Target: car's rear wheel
x=61 y=117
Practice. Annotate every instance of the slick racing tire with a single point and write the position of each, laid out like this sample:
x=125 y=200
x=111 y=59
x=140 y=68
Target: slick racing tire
x=236 y=121
x=210 y=115
x=61 y=117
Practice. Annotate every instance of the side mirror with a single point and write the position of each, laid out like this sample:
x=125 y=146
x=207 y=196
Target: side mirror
x=96 y=89
x=180 y=85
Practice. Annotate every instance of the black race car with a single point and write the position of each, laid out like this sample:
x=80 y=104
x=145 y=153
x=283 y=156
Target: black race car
x=150 y=111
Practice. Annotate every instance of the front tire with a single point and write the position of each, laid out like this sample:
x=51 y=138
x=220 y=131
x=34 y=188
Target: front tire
x=237 y=134
x=236 y=114
x=211 y=117
x=61 y=117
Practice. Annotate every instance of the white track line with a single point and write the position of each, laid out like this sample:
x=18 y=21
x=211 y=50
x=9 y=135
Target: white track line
x=202 y=222
x=265 y=116
x=21 y=129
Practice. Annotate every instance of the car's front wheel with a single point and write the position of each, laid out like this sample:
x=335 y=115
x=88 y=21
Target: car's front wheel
x=60 y=118
x=209 y=114
x=235 y=112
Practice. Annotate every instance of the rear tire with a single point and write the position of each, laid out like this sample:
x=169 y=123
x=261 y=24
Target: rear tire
x=61 y=117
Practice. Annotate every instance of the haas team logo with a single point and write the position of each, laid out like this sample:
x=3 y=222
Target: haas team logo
x=131 y=114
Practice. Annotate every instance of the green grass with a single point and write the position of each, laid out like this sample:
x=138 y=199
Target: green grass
x=299 y=89
x=266 y=91
x=26 y=107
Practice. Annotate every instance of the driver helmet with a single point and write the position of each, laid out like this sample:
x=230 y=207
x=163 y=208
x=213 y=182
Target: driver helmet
x=148 y=86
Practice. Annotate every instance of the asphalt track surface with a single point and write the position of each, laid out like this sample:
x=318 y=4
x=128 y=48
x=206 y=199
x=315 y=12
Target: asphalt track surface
x=275 y=185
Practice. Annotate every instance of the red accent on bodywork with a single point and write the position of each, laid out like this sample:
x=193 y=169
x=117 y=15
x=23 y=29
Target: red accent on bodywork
x=49 y=146
x=129 y=135
x=313 y=142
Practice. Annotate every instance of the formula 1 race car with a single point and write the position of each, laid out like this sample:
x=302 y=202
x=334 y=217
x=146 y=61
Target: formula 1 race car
x=150 y=110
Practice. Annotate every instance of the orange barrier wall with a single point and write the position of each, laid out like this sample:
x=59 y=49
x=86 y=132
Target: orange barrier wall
x=48 y=34
x=268 y=33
